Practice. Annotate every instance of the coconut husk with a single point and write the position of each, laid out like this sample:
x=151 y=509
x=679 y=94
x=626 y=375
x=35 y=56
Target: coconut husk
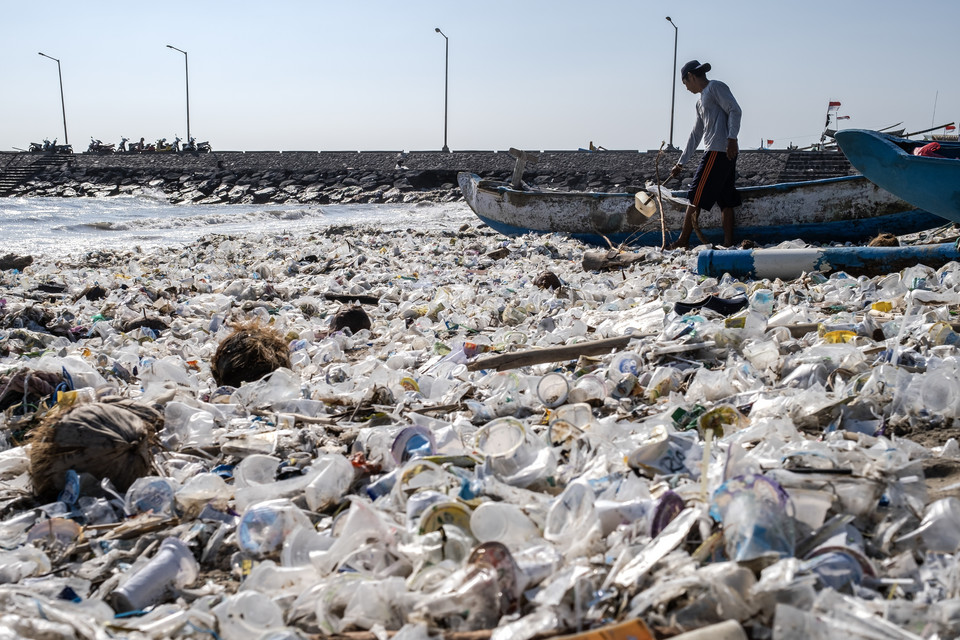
x=93 y=292
x=13 y=261
x=350 y=317
x=105 y=439
x=548 y=280
x=249 y=353
x=885 y=240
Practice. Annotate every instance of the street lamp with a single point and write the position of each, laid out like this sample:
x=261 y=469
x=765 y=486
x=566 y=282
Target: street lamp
x=66 y=140
x=673 y=83
x=446 y=81
x=186 y=69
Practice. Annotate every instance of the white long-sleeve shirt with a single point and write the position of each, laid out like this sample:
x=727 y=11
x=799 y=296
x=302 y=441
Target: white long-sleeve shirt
x=718 y=120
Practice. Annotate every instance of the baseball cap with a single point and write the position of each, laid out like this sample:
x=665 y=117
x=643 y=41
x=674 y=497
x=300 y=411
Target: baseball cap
x=694 y=66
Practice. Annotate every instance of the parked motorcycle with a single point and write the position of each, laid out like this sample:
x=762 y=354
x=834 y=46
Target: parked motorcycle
x=122 y=147
x=197 y=147
x=97 y=146
x=50 y=147
x=163 y=147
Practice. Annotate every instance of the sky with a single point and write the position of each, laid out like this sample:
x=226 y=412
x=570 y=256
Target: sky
x=533 y=74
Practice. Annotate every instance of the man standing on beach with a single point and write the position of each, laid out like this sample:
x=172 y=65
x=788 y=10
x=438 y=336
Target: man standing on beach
x=718 y=124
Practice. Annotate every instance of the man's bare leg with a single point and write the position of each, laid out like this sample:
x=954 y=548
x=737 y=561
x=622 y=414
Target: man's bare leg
x=684 y=240
x=726 y=220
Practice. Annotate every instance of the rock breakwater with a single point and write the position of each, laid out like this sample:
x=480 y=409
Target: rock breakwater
x=363 y=177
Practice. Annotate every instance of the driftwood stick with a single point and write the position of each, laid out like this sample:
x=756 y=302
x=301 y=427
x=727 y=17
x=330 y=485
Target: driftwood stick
x=599 y=260
x=529 y=357
x=663 y=221
x=349 y=297
x=482 y=634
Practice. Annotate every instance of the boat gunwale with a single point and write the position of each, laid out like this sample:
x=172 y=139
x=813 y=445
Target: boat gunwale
x=500 y=188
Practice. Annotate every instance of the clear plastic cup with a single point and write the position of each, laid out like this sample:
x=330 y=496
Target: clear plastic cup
x=256 y=469
x=172 y=567
x=504 y=444
x=151 y=494
x=502 y=522
x=552 y=390
x=332 y=476
x=265 y=525
x=248 y=615
x=590 y=389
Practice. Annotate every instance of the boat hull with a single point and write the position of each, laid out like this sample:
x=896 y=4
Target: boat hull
x=928 y=183
x=844 y=209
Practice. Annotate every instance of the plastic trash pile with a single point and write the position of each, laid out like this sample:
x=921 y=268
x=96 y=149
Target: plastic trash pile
x=762 y=459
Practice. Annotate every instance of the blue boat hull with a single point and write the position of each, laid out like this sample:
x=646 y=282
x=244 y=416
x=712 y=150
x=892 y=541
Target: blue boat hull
x=928 y=183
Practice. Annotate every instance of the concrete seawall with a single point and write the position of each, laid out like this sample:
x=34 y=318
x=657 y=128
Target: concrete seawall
x=367 y=176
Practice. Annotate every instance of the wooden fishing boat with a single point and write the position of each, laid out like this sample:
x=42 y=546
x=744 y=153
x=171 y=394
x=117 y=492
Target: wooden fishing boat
x=844 y=209
x=929 y=183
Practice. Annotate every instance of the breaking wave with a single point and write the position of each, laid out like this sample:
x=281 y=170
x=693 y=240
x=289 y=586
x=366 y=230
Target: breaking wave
x=76 y=225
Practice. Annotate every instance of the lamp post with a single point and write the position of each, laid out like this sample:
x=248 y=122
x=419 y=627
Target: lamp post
x=673 y=83
x=66 y=141
x=186 y=70
x=446 y=85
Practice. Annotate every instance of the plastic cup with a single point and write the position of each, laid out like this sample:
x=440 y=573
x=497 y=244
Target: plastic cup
x=439 y=514
x=498 y=557
x=589 y=389
x=332 y=478
x=553 y=389
x=172 y=567
x=753 y=510
x=623 y=364
x=265 y=525
x=502 y=522
x=415 y=441
x=504 y=444
x=150 y=494
x=256 y=469
x=571 y=515
x=248 y=615
x=54 y=533
x=940 y=527
x=579 y=414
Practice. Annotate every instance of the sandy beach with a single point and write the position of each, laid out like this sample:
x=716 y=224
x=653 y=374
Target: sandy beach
x=769 y=463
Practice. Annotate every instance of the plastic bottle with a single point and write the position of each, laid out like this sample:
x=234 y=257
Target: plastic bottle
x=173 y=567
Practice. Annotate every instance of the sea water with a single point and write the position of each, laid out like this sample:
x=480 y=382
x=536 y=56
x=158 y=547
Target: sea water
x=73 y=226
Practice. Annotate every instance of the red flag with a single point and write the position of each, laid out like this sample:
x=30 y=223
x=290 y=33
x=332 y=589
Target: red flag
x=769 y=142
x=950 y=127
x=833 y=106
x=843 y=117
